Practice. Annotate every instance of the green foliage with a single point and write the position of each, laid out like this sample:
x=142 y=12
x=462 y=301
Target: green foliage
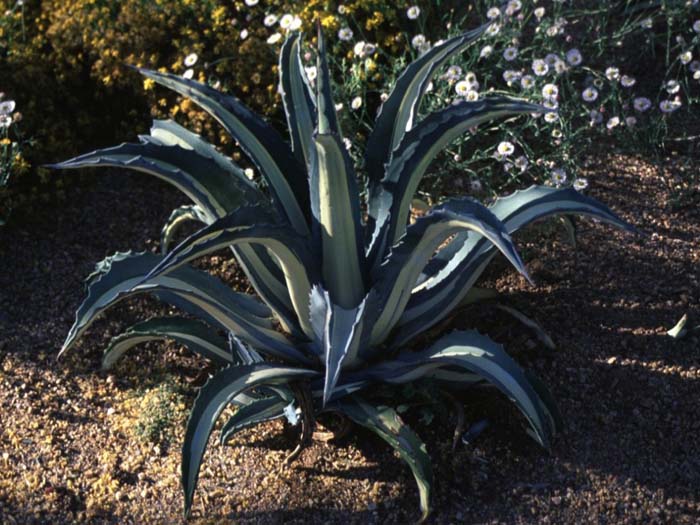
x=350 y=292
x=159 y=412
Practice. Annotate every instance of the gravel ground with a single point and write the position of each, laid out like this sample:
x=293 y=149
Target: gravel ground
x=71 y=438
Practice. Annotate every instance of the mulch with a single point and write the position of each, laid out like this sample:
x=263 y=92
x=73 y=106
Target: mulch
x=628 y=392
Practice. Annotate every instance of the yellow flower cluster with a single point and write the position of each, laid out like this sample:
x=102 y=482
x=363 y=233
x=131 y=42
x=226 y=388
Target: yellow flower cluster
x=69 y=67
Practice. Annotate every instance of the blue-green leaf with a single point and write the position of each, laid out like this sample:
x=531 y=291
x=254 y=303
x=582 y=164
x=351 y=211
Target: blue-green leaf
x=297 y=97
x=398 y=113
x=272 y=156
x=386 y=423
x=239 y=227
x=177 y=218
x=398 y=274
x=416 y=151
x=200 y=178
x=337 y=221
x=195 y=335
x=258 y=411
x=213 y=397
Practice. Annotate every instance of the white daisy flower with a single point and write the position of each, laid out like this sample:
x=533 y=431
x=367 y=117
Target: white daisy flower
x=339 y=106
x=383 y=96
x=359 y=49
x=589 y=94
x=580 y=184
x=493 y=13
x=251 y=3
x=539 y=13
x=551 y=117
x=510 y=76
x=274 y=38
x=696 y=26
x=672 y=87
x=5 y=121
x=539 y=67
x=641 y=104
x=505 y=148
x=286 y=21
x=311 y=73
x=453 y=73
x=550 y=91
x=527 y=81
x=243 y=34
x=7 y=107
x=418 y=41
x=348 y=143
x=356 y=103
x=475 y=186
x=627 y=81
x=513 y=7
x=296 y=23
x=345 y=34
x=462 y=87
x=493 y=30
x=521 y=163
x=558 y=176
x=613 y=122
x=612 y=73
x=191 y=60
x=669 y=106
x=270 y=20
x=686 y=57
x=472 y=95
x=574 y=57
x=486 y=51
x=510 y=53
x=551 y=59
x=647 y=23
x=188 y=74
x=249 y=173
x=413 y=12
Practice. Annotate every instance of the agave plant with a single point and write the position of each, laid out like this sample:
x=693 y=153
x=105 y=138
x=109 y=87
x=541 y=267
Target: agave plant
x=344 y=281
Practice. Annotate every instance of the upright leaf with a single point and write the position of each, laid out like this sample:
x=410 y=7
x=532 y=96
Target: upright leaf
x=297 y=98
x=336 y=206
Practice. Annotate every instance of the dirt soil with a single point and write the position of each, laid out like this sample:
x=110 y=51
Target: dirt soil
x=72 y=448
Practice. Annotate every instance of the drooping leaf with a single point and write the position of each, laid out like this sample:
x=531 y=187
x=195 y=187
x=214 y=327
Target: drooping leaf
x=177 y=218
x=399 y=272
x=258 y=139
x=195 y=335
x=194 y=291
x=258 y=411
x=213 y=397
x=481 y=356
x=200 y=178
x=416 y=151
x=455 y=268
x=386 y=423
x=297 y=97
x=239 y=227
